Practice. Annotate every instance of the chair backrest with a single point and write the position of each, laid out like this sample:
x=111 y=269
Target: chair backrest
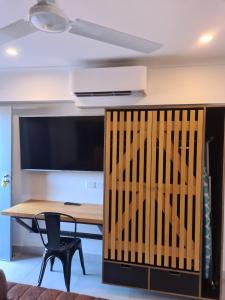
x=52 y=228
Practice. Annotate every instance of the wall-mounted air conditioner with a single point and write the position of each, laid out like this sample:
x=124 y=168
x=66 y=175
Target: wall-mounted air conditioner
x=103 y=87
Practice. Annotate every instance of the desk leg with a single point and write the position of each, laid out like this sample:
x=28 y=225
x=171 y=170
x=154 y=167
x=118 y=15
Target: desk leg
x=25 y=225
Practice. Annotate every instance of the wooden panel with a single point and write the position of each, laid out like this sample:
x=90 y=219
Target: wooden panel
x=179 y=126
x=175 y=183
x=160 y=196
x=183 y=175
x=198 y=191
x=141 y=191
x=167 y=188
x=120 y=186
x=190 y=191
x=152 y=187
x=127 y=185
x=107 y=182
x=114 y=185
x=147 y=190
x=155 y=185
x=134 y=186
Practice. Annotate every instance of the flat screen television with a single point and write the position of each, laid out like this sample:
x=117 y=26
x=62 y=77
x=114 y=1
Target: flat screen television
x=62 y=143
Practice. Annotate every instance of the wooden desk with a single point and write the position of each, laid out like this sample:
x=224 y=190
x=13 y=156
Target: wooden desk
x=84 y=214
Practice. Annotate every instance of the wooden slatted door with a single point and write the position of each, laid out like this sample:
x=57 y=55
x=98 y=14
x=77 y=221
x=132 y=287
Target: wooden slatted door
x=127 y=186
x=153 y=171
x=176 y=185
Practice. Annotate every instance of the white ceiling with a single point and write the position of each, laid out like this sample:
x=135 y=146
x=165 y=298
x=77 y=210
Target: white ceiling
x=177 y=24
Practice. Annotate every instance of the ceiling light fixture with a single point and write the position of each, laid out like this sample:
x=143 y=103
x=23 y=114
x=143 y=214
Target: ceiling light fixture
x=206 y=38
x=11 y=51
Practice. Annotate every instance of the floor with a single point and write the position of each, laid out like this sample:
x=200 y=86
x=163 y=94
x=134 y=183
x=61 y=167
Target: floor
x=25 y=269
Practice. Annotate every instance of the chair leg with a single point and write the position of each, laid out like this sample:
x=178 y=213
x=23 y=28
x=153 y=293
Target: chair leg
x=81 y=258
x=43 y=266
x=66 y=261
x=52 y=261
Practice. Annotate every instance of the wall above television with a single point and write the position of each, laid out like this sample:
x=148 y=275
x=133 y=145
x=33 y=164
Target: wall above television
x=62 y=143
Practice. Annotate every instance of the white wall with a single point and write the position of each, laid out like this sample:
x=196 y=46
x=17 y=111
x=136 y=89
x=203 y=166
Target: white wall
x=34 y=85
x=186 y=85
x=166 y=85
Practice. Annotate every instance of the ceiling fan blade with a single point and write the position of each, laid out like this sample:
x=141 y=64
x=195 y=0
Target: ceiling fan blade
x=15 y=31
x=114 y=37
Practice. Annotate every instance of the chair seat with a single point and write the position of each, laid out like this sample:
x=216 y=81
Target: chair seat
x=66 y=243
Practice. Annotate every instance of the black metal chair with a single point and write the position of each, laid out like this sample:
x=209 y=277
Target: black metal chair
x=57 y=245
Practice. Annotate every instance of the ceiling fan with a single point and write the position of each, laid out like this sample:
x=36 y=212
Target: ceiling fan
x=48 y=17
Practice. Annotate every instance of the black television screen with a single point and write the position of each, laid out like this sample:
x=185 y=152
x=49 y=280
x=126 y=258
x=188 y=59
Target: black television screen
x=62 y=143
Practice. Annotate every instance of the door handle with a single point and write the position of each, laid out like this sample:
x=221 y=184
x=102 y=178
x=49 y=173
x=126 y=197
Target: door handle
x=5 y=180
x=125 y=266
x=174 y=273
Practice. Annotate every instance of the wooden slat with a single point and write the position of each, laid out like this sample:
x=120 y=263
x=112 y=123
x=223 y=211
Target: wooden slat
x=107 y=182
x=198 y=191
x=175 y=182
x=134 y=186
x=114 y=185
x=153 y=191
x=141 y=191
x=183 y=176
x=167 y=189
x=147 y=191
x=127 y=184
x=160 y=197
x=190 y=191
x=120 y=186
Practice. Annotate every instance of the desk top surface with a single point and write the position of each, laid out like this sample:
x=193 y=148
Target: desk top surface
x=85 y=213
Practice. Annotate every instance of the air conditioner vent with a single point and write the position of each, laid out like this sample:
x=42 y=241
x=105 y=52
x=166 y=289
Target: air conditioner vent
x=105 y=93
